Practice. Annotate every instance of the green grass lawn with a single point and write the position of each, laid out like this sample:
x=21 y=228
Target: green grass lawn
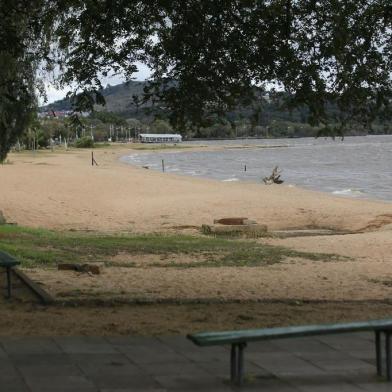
x=39 y=247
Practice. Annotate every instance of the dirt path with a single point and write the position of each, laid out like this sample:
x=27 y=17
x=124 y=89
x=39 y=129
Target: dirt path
x=18 y=319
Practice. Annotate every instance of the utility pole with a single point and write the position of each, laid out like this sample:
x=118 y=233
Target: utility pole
x=91 y=132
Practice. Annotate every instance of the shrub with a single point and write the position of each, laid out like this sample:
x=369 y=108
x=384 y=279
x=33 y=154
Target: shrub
x=84 y=142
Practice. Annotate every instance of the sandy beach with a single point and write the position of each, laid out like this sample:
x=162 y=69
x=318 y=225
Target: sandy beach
x=61 y=190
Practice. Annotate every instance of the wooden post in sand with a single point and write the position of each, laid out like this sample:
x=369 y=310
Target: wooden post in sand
x=93 y=161
x=163 y=166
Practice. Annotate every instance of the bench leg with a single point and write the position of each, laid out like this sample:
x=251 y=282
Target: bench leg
x=233 y=363
x=388 y=354
x=378 y=352
x=237 y=363
x=8 y=270
x=240 y=374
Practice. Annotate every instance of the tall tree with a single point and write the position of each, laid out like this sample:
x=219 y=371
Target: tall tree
x=23 y=46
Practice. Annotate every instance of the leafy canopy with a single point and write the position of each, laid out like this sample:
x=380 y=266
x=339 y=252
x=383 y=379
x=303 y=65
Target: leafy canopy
x=206 y=57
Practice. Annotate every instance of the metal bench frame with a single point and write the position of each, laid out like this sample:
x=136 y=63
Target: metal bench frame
x=8 y=262
x=239 y=339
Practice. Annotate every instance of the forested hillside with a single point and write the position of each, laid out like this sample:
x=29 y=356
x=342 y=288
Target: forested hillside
x=266 y=117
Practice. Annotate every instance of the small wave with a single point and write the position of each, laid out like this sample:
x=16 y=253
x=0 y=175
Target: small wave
x=348 y=192
x=230 y=180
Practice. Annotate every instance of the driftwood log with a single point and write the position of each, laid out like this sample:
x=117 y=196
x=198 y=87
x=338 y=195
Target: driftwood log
x=88 y=268
x=274 y=178
x=235 y=221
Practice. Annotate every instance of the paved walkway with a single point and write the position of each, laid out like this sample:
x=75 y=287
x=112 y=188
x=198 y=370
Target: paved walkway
x=121 y=364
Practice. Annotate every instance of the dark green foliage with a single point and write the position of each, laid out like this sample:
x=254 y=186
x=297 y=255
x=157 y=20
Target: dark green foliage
x=84 y=142
x=160 y=126
x=108 y=118
x=206 y=57
x=23 y=45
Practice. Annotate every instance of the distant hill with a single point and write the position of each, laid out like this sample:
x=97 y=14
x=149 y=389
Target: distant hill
x=119 y=99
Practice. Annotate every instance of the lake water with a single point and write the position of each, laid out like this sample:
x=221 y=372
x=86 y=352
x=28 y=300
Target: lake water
x=355 y=167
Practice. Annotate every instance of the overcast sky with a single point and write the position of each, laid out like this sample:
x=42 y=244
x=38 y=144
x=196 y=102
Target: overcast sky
x=55 y=94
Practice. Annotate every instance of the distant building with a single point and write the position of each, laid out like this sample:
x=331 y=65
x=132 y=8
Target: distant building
x=60 y=114
x=159 y=138
x=53 y=113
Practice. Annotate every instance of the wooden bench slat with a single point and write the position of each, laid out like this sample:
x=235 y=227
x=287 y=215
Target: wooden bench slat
x=233 y=337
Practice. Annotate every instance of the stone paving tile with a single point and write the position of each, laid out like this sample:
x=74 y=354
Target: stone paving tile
x=169 y=368
x=11 y=380
x=48 y=370
x=364 y=355
x=59 y=388
x=150 y=354
x=178 y=343
x=14 y=388
x=326 y=355
x=132 y=390
x=283 y=363
x=303 y=345
x=91 y=364
x=267 y=384
x=115 y=373
x=3 y=353
x=200 y=354
x=85 y=345
x=134 y=340
x=187 y=383
x=321 y=383
x=28 y=345
x=376 y=386
x=122 y=381
x=7 y=366
x=364 y=335
x=92 y=369
x=54 y=383
x=367 y=380
x=99 y=359
x=342 y=364
x=222 y=369
x=40 y=359
x=346 y=342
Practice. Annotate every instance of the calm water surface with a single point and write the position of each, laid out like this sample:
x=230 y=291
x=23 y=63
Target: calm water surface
x=356 y=167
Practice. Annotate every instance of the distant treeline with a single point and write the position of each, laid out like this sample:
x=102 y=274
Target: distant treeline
x=265 y=117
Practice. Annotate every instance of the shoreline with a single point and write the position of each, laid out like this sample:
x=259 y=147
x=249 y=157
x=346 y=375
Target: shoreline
x=340 y=193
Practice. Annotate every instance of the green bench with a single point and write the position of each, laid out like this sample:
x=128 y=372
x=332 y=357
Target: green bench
x=239 y=339
x=8 y=262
